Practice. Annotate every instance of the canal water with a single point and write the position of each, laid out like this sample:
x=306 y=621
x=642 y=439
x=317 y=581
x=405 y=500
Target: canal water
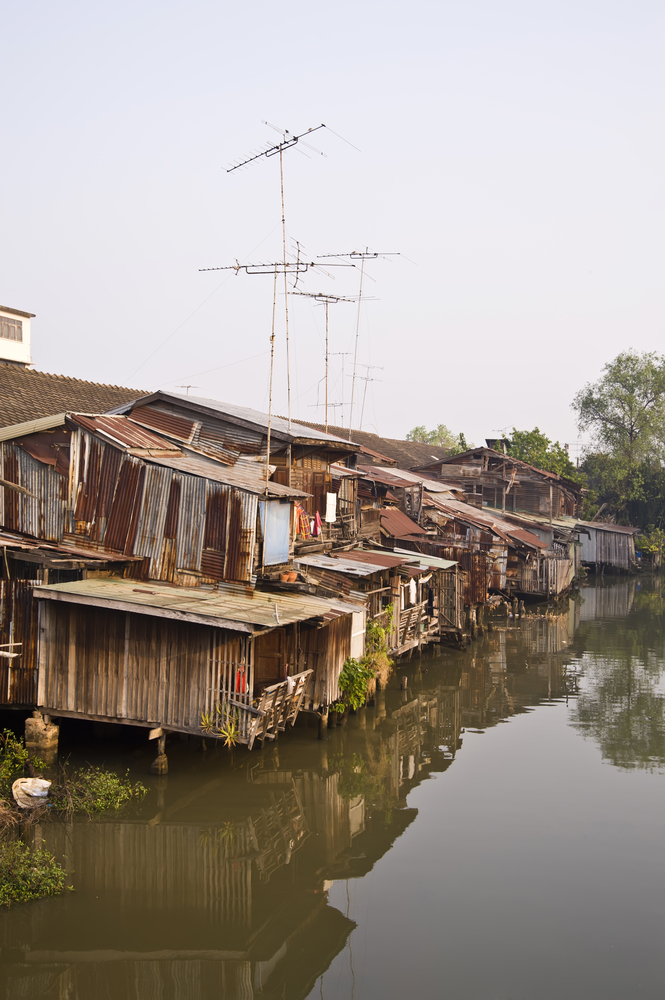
x=494 y=831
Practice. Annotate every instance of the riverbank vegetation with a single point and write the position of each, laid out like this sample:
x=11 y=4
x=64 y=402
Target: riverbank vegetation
x=28 y=872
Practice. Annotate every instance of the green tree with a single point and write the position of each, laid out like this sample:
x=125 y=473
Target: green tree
x=625 y=409
x=537 y=449
x=441 y=437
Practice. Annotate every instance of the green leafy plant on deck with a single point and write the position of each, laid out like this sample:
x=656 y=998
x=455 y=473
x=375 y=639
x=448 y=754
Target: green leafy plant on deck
x=222 y=723
x=93 y=790
x=354 y=682
x=26 y=873
x=358 y=678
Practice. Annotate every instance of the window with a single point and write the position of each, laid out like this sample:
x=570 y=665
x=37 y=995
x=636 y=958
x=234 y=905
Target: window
x=11 y=328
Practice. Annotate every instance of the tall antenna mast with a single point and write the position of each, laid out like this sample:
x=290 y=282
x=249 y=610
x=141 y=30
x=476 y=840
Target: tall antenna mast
x=326 y=299
x=296 y=267
x=359 y=255
x=288 y=140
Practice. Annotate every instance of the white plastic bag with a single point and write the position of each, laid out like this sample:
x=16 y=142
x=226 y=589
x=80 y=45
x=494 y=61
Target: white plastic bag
x=30 y=792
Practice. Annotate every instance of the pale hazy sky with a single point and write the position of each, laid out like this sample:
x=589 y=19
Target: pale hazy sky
x=512 y=150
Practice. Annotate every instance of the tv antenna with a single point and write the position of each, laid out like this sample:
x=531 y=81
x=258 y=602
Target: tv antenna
x=285 y=267
x=289 y=140
x=353 y=257
x=324 y=299
x=366 y=378
x=188 y=387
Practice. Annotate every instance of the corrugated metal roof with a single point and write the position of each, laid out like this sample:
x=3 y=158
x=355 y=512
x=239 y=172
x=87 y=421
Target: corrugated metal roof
x=398 y=524
x=224 y=607
x=380 y=560
x=401 y=477
x=126 y=434
x=620 y=528
x=352 y=567
x=242 y=476
x=280 y=426
x=434 y=561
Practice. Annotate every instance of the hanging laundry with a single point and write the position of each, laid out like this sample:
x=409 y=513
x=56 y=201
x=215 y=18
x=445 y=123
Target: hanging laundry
x=412 y=591
x=302 y=522
x=331 y=508
x=317 y=525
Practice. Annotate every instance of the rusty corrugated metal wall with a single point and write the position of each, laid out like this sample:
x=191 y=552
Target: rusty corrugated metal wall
x=18 y=623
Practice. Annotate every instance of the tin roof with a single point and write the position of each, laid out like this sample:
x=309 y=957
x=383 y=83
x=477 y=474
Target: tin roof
x=236 y=608
x=246 y=415
x=124 y=433
x=602 y=526
x=401 y=477
x=244 y=477
x=397 y=524
x=431 y=562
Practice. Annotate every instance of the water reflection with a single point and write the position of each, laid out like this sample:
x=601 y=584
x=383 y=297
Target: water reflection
x=619 y=647
x=218 y=885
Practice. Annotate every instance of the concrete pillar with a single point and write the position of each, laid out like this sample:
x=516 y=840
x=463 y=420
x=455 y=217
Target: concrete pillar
x=160 y=764
x=41 y=737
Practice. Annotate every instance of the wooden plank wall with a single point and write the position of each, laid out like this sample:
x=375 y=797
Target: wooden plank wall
x=117 y=665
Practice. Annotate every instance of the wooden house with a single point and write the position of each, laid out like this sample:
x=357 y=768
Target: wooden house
x=238 y=436
x=493 y=479
x=607 y=547
x=158 y=618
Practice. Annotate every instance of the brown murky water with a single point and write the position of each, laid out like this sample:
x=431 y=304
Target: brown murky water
x=496 y=831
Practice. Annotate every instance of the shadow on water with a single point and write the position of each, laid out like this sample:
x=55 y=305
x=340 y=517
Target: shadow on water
x=217 y=885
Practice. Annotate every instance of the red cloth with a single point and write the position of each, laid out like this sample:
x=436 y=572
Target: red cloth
x=317 y=524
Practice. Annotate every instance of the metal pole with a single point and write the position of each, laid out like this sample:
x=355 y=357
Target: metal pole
x=272 y=366
x=355 y=353
x=286 y=289
x=327 y=303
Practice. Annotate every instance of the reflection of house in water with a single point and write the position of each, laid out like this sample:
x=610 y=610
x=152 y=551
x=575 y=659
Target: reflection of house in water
x=613 y=598
x=200 y=900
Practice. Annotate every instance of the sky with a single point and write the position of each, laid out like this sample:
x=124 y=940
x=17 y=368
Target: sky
x=510 y=152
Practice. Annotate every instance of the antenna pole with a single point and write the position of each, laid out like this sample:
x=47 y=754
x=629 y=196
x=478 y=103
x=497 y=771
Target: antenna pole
x=355 y=353
x=327 y=303
x=286 y=288
x=272 y=366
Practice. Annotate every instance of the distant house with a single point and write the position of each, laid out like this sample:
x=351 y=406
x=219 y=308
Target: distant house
x=608 y=546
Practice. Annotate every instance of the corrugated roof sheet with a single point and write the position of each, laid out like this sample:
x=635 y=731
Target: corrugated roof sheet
x=401 y=477
x=398 y=524
x=620 y=528
x=280 y=425
x=242 y=476
x=123 y=432
x=431 y=561
x=381 y=560
x=224 y=607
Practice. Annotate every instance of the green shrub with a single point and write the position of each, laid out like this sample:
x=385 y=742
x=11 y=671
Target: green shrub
x=93 y=790
x=26 y=873
x=13 y=760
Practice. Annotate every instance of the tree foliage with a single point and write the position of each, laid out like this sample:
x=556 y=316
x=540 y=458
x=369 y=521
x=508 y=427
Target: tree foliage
x=625 y=412
x=537 y=449
x=625 y=408
x=441 y=437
